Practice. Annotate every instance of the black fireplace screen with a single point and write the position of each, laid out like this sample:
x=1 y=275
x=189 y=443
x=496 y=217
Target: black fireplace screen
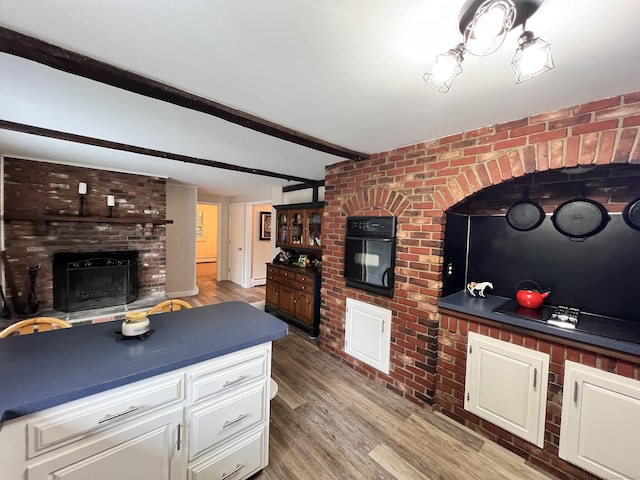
x=88 y=280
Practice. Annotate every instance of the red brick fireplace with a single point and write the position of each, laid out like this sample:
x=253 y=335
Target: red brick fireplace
x=419 y=184
x=42 y=217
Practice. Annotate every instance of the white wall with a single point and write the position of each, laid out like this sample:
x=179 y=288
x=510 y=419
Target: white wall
x=261 y=251
x=181 y=240
x=302 y=196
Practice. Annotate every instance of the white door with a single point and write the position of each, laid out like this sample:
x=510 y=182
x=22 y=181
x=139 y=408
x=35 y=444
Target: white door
x=236 y=243
x=600 y=422
x=368 y=334
x=507 y=385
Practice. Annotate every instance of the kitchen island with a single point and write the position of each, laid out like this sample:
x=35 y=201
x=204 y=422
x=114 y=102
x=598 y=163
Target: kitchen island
x=81 y=402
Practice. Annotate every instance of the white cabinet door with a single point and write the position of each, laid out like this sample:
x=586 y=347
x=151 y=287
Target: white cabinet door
x=600 y=422
x=368 y=334
x=506 y=384
x=144 y=449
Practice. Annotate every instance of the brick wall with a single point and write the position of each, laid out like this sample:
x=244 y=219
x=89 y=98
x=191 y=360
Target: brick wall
x=33 y=189
x=420 y=182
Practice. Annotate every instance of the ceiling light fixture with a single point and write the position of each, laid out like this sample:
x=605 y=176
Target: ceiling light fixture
x=484 y=25
x=533 y=57
x=447 y=67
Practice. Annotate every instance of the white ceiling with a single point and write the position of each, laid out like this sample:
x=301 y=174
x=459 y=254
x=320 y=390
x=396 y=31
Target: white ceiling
x=345 y=71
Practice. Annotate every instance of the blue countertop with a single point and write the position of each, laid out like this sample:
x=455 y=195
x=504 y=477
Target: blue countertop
x=484 y=308
x=47 y=369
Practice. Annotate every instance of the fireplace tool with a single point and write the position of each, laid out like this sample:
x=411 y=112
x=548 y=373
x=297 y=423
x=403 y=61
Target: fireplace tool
x=6 y=312
x=32 y=299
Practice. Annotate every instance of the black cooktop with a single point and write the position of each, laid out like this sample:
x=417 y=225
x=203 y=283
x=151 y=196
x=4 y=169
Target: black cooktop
x=624 y=330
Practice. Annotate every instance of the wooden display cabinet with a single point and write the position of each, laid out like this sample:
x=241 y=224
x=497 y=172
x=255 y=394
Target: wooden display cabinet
x=299 y=226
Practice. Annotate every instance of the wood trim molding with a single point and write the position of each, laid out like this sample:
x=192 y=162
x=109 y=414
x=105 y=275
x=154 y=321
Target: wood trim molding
x=24 y=46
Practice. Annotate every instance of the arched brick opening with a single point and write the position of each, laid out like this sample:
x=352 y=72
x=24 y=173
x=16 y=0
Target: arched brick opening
x=375 y=201
x=595 y=148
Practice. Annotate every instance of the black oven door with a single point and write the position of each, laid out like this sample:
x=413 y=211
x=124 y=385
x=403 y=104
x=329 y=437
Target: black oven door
x=369 y=263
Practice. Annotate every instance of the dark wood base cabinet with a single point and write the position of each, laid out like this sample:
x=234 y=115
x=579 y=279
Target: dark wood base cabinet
x=293 y=293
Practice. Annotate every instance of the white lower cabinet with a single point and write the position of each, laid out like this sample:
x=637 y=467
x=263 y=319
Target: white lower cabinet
x=206 y=421
x=143 y=449
x=506 y=384
x=238 y=459
x=600 y=422
x=217 y=421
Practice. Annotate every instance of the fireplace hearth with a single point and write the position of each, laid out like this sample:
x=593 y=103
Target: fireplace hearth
x=89 y=280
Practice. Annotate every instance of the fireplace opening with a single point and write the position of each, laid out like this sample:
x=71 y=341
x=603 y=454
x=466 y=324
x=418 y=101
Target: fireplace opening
x=88 y=280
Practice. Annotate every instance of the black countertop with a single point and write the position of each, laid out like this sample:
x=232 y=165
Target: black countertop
x=51 y=368
x=605 y=332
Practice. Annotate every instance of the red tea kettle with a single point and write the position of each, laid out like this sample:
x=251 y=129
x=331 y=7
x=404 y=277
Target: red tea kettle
x=530 y=298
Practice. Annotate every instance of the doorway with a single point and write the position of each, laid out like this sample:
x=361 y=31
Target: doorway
x=207 y=240
x=236 y=243
x=249 y=243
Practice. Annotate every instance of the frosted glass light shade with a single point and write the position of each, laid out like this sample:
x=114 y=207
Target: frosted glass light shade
x=445 y=70
x=532 y=57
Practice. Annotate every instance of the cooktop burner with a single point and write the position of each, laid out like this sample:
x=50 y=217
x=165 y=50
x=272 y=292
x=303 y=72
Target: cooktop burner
x=511 y=307
x=616 y=328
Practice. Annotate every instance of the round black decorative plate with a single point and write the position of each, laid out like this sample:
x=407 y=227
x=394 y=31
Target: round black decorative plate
x=631 y=214
x=580 y=218
x=525 y=215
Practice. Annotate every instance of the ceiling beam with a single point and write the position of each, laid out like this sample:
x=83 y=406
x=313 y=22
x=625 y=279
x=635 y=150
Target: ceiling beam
x=303 y=186
x=97 y=142
x=23 y=46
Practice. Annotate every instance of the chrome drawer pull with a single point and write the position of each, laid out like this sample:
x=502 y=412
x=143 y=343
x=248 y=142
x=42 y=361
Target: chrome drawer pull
x=228 y=423
x=228 y=383
x=108 y=417
x=235 y=470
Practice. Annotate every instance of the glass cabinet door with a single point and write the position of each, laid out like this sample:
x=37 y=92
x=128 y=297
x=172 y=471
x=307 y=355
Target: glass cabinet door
x=297 y=224
x=283 y=228
x=314 y=228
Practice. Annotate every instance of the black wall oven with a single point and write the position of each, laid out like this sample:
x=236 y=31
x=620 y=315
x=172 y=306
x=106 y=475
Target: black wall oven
x=370 y=254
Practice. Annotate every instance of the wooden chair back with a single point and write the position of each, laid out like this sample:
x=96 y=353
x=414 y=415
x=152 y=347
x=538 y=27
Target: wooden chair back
x=169 y=306
x=33 y=325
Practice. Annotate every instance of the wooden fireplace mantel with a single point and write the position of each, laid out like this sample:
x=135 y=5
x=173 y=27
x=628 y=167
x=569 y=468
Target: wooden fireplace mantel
x=88 y=218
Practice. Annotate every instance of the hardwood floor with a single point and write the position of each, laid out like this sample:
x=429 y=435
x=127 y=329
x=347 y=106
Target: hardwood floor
x=211 y=291
x=328 y=422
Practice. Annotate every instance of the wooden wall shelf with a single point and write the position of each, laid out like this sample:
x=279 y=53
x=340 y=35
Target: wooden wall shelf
x=89 y=219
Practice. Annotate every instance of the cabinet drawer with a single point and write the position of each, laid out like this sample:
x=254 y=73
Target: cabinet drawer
x=305 y=279
x=289 y=282
x=272 y=272
x=220 y=377
x=217 y=421
x=236 y=461
x=287 y=274
x=79 y=419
